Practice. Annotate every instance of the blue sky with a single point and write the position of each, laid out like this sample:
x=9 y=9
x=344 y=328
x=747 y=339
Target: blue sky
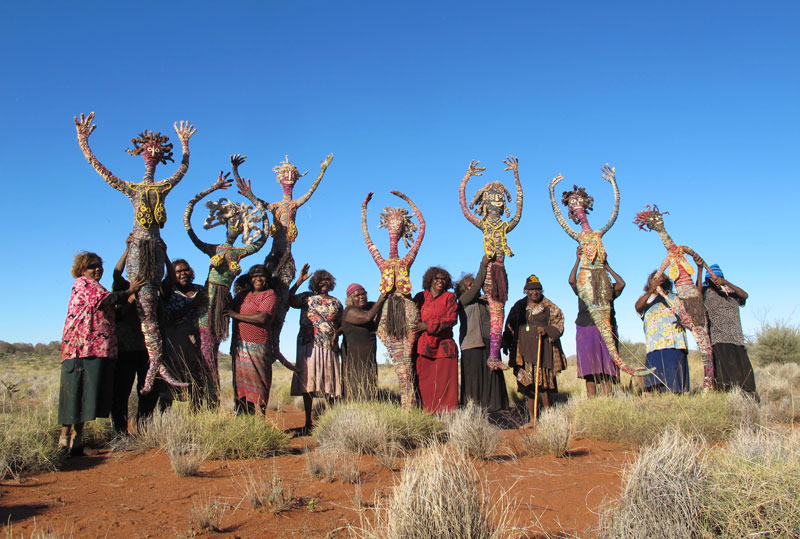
x=695 y=104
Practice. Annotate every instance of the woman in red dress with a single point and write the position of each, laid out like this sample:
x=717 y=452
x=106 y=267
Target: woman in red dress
x=437 y=358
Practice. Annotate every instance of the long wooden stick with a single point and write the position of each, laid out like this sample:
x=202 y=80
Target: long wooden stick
x=536 y=387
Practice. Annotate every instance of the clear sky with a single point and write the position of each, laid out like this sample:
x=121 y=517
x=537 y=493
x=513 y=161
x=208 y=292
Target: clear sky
x=696 y=104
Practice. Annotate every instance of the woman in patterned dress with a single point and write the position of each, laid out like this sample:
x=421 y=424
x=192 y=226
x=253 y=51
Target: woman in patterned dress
x=88 y=351
x=252 y=349
x=665 y=337
x=318 y=372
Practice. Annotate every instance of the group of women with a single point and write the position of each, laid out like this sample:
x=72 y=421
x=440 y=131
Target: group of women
x=166 y=333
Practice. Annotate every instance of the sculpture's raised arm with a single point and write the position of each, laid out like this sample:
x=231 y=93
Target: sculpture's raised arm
x=609 y=175
x=185 y=130
x=412 y=253
x=512 y=163
x=474 y=170
x=244 y=186
x=85 y=127
x=222 y=183
x=376 y=255
x=557 y=211
x=324 y=166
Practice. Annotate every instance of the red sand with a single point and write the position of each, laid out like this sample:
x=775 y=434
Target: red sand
x=137 y=495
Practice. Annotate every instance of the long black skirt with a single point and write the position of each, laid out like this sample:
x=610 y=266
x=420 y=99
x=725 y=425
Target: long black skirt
x=732 y=368
x=481 y=384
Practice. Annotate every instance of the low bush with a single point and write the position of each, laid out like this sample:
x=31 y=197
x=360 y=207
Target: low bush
x=366 y=427
x=551 y=435
x=776 y=342
x=639 y=420
x=470 y=433
x=438 y=496
x=682 y=487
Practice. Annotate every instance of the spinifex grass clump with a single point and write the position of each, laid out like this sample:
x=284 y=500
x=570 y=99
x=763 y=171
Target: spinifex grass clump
x=366 y=427
x=683 y=487
x=470 y=433
x=27 y=436
x=217 y=434
x=439 y=496
x=551 y=435
x=640 y=420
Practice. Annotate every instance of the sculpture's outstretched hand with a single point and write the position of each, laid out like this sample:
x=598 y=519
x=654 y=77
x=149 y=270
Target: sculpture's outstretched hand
x=237 y=159
x=185 y=130
x=369 y=197
x=609 y=173
x=474 y=169
x=222 y=182
x=555 y=181
x=324 y=164
x=84 y=125
x=512 y=163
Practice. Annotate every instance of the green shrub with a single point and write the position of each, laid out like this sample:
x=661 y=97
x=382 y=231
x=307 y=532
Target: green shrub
x=640 y=420
x=354 y=426
x=777 y=342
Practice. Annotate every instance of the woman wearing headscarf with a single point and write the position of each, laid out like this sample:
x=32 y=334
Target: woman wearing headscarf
x=533 y=336
x=360 y=344
x=479 y=383
x=723 y=299
x=88 y=351
x=665 y=337
x=437 y=355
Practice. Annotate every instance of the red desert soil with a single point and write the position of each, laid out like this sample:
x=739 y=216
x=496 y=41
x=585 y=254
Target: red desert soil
x=110 y=494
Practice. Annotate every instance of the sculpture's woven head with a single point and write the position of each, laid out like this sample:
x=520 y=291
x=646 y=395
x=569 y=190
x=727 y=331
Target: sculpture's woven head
x=238 y=218
x=287 y=173
x=577 y=202
x=153 y=146
x=491 y=200
x=399 y=224
x=650 y=219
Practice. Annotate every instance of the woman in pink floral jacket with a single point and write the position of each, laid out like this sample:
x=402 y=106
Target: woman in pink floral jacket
x=88 y=348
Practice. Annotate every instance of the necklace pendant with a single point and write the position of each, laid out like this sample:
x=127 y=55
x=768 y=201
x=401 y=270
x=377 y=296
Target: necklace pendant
x=527 y=327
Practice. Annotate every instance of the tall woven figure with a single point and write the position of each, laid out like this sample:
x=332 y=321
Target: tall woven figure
x=145 y=258
x=689 y=309
x=491 y=206
x=280 y=262
x=399 y=316
x=594 y=286
x=238 y=219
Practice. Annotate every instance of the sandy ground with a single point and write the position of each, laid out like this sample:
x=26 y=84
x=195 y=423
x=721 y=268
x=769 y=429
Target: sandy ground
x=122 y=494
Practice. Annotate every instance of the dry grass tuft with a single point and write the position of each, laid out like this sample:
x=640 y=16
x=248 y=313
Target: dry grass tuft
x=551 y=435
x=262 y=492
x=331 y=462
x=438 y=496
x=207 y=513
x=470 y=433
x=659 y=497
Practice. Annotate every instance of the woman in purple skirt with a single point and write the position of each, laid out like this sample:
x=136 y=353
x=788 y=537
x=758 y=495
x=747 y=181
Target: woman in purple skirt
x=594 y=362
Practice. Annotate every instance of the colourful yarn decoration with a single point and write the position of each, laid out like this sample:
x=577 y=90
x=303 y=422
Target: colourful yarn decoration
x=280 y=262
x=224 y=263
x=594 y=286
x=146 y=257
x=491 y=205
x=399 y=316
x=689 y=309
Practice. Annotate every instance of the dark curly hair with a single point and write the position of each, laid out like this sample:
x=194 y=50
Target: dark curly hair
x=182 y=261
x=666 y=286
x=313 y=284
x=82 y=260
x=433 y=271
x=580 y=192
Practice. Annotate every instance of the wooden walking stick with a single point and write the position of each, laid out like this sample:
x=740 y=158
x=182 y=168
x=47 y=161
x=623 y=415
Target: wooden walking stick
x=536 y=381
